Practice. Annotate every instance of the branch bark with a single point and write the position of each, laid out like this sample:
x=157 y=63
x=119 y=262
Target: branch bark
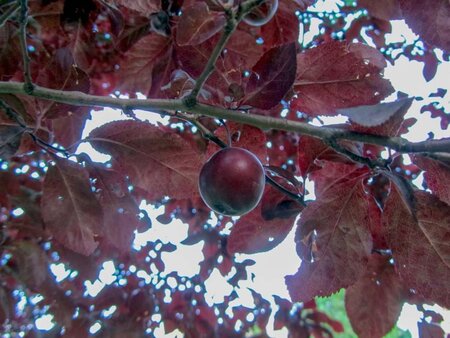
x=28 y=85
x=159 y=106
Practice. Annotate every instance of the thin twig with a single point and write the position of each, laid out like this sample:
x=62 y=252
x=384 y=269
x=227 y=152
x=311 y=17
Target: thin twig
x=12 y=114
x=28 y=85
x=230 y=26
x=371 y=163
x=17 y=118
x=9 y=13
x=259 y=121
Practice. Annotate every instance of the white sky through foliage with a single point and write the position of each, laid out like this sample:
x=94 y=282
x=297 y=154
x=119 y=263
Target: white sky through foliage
x=272 y=266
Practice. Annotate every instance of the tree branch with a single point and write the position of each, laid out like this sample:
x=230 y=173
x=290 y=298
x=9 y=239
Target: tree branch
x=28 y=85
x=371 y=163
x=159 y=106
x=232 y=22
x=8 y=14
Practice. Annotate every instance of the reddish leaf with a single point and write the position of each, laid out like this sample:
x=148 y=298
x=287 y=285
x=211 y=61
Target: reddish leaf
x=9 y=51
x=430 y=66
x=121 y=212
x=147 y=65
x=198 y=24
x=311 y=150
x=331 y=233
x=382 y=9
x=60 y=73
x=242 y=136
x=68 y=130
x=31 y=263
x=376 y=115
x=437 y=112
x=418 y=240
x=351 y=78
x=10 y=136
x=430 y=330
x=271 y=77
x=143 y=7
x=69 y=207
x=275 y=204
x=242 y=52
x=180 y=85
x=284 y=26
x=375 y=301
x=429 y=19
x=87 y=267
x=146 y=152
x=304 y=4
x=251 y=233
x=437 y=176
x=6 y=305
x=80 y=45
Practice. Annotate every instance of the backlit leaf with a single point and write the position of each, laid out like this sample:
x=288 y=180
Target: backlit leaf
x=417 y=241
x=69 y=208
x=147 y=65
x=121 y=211
x=242 y=136
x=332 y=232
x=382 y=9
x=161 y=163
x=375 y=301
x=350 y=77
x=437 y=176
x=429 y=19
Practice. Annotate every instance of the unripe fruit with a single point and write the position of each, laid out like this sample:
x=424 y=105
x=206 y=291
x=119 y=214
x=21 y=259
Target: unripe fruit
x=262 y=14
x=232 y=181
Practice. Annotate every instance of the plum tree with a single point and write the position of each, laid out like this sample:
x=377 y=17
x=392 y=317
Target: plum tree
x=232 y=181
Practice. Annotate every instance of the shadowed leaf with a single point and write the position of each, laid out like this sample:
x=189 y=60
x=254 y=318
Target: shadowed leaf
x=271 y=77
x=252 y=233
x=69 y=207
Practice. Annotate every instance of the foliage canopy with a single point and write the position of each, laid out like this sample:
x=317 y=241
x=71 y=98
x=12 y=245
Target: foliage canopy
x=369 y=230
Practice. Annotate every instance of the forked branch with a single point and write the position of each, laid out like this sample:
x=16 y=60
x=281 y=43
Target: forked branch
x=233 y=20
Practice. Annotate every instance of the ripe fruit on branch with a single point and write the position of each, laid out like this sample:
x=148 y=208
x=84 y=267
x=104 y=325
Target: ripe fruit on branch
x=232 y=181
x=262 y=14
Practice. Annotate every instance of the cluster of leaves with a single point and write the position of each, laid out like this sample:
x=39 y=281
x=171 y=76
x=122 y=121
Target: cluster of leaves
x=369 y=230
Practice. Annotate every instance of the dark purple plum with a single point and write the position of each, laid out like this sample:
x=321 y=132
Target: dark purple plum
x=232 y=181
